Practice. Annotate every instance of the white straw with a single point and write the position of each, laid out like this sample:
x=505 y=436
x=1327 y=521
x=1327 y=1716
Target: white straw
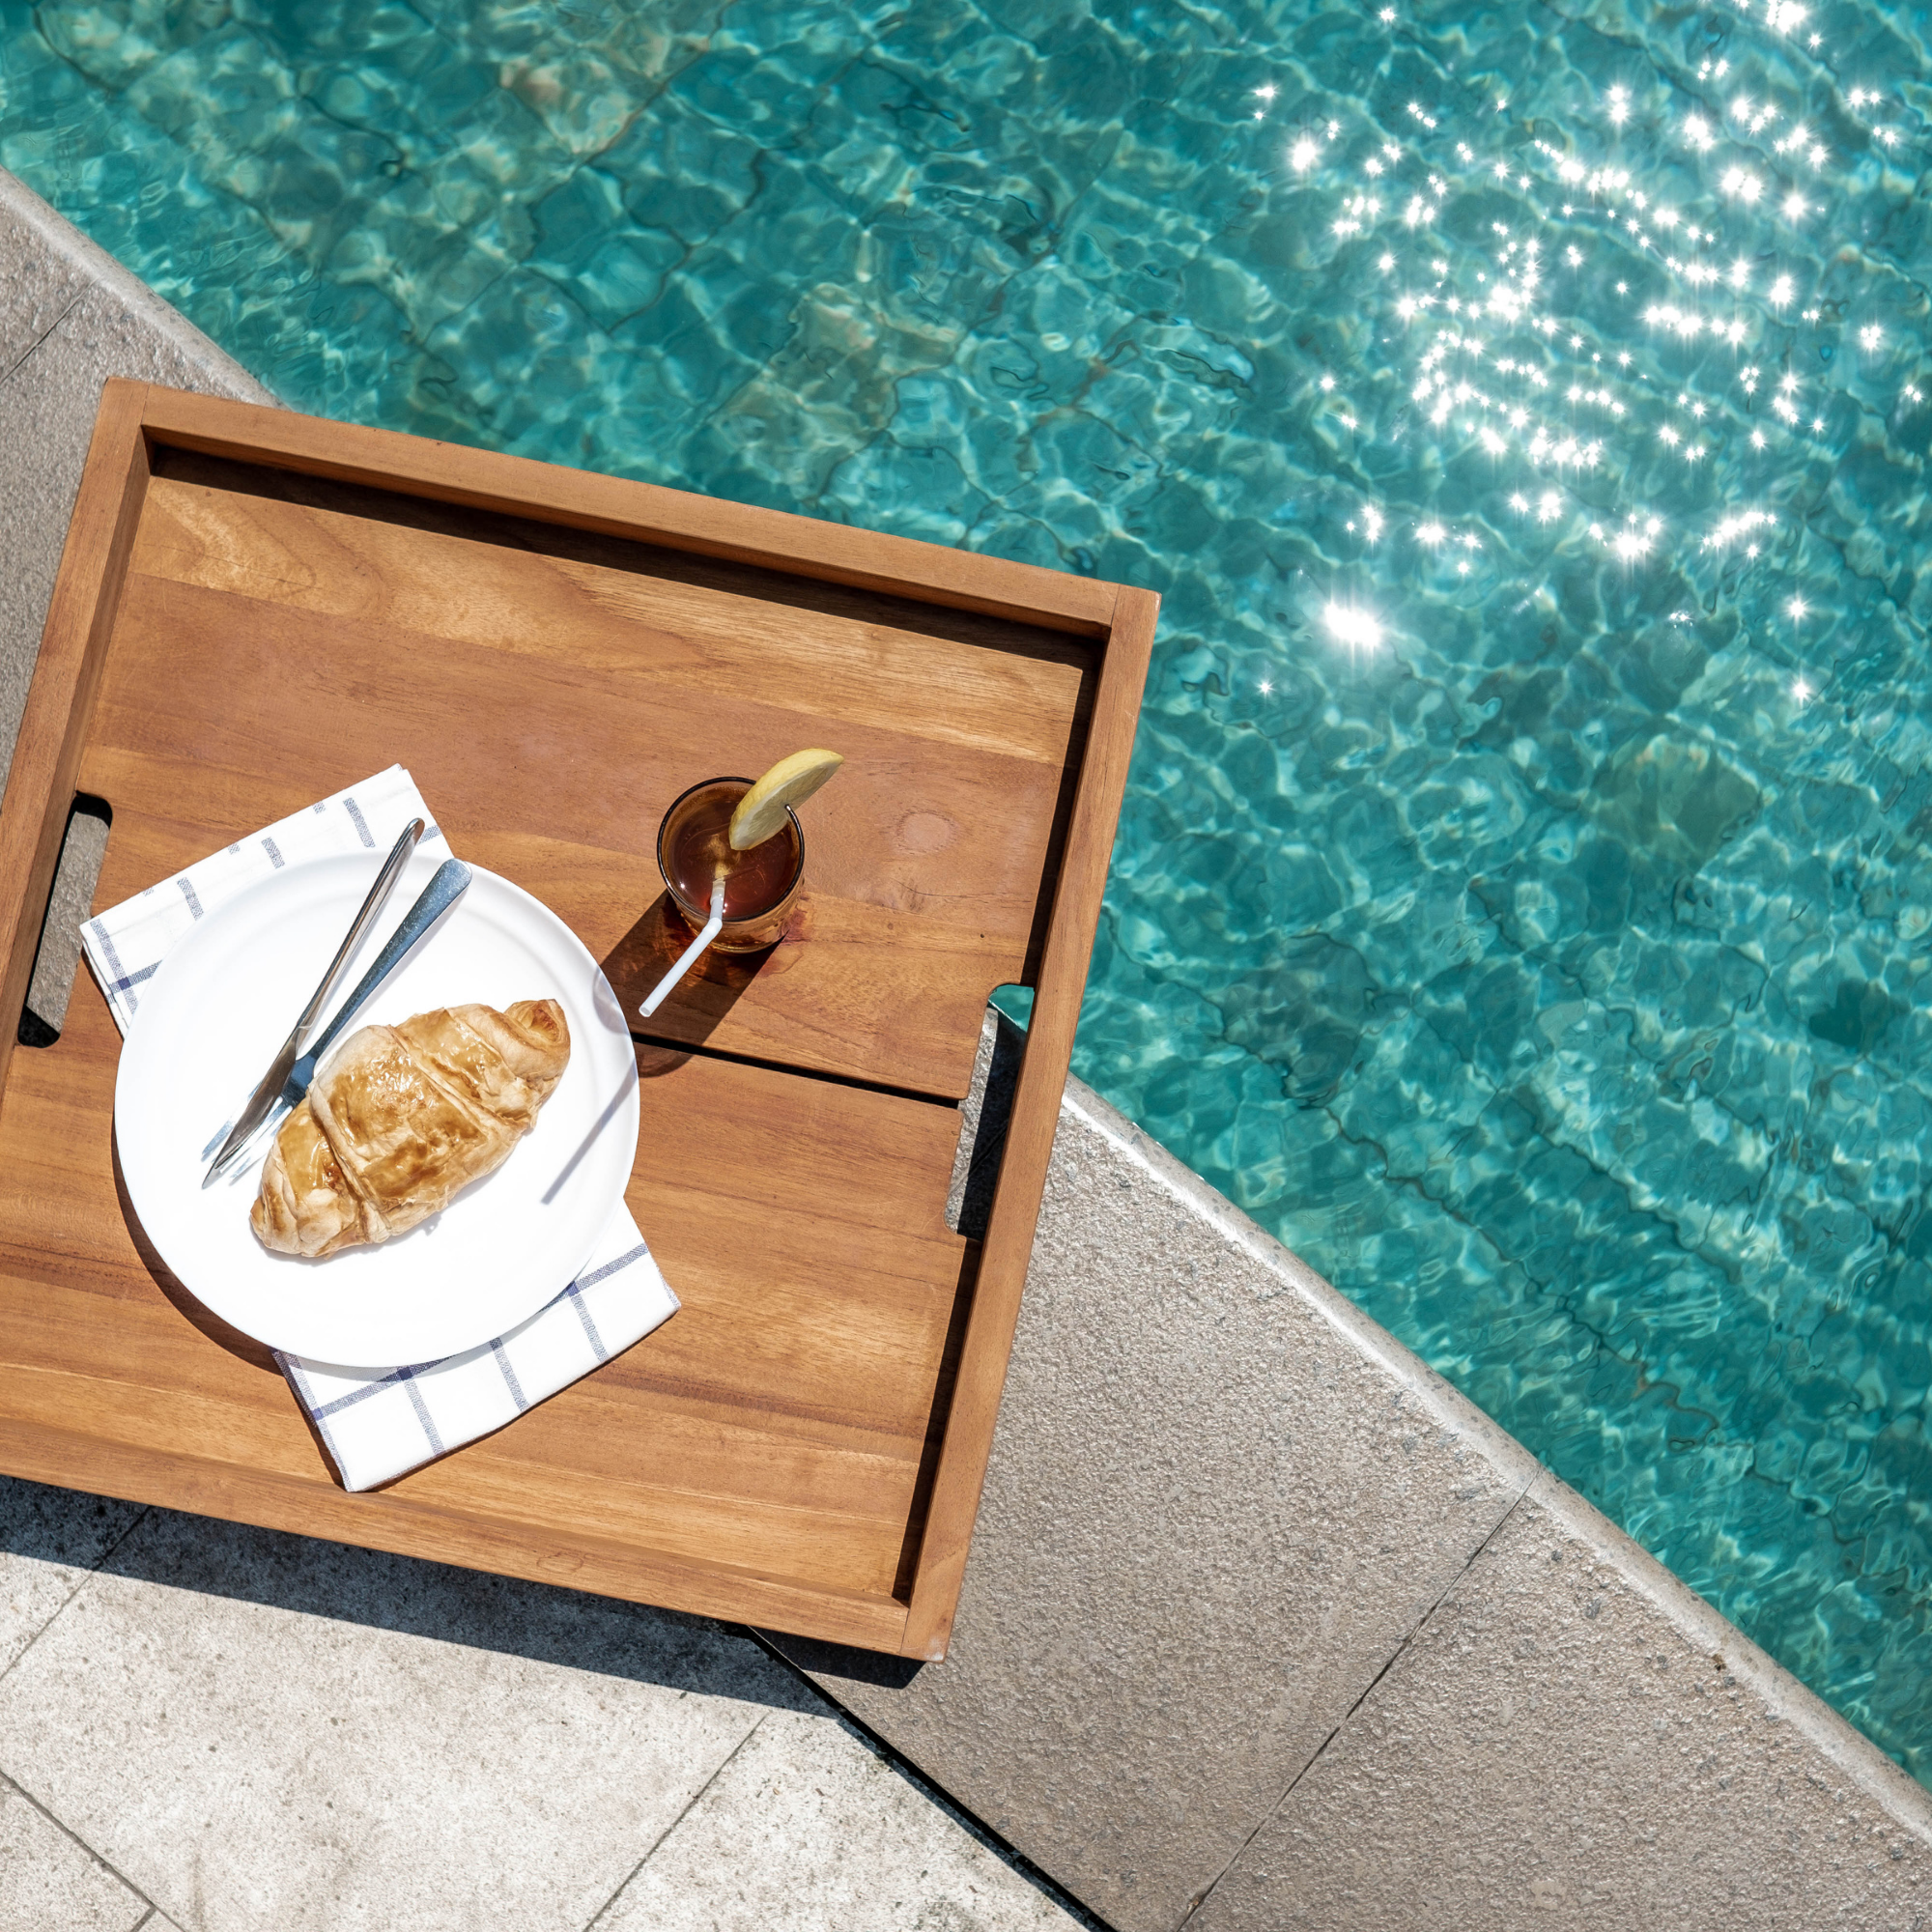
x=706 y=934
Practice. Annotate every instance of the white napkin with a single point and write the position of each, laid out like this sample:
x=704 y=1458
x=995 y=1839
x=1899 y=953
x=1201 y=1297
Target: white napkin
x=125 y=946
x=376 y=1424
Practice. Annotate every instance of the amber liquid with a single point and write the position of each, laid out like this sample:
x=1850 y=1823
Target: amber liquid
x=755 y=881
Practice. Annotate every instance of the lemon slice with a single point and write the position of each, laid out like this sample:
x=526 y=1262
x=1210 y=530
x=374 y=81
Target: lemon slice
x=761 y=811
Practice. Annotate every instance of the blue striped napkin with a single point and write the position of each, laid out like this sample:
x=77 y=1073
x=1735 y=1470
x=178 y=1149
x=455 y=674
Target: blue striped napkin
x=378 y=1426
x=379 y=1423
x=127 y=944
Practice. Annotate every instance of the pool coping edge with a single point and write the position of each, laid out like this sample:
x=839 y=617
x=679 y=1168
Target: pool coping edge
x=93 y=264
x=1791 y=1700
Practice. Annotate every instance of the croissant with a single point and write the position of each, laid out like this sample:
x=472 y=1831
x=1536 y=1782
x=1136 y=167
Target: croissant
x=401 y=1119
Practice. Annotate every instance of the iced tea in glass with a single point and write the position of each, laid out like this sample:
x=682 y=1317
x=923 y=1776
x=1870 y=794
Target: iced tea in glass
x=760 y=884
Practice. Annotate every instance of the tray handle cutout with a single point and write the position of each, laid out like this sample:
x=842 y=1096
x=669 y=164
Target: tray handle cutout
x=57 y=957
x=983 y=1115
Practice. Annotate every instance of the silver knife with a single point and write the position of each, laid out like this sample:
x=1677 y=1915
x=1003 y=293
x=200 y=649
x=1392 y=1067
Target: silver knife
x=294 y=1076
x=265 y=1096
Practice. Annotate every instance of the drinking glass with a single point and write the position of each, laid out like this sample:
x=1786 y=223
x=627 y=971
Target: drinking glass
x=761 y=884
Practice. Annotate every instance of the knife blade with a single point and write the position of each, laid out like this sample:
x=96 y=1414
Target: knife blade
x=451 y=881
x=269 y=1089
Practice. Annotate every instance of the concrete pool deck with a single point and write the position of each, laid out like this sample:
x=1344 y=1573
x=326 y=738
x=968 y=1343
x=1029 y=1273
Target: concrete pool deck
x=1265 y=1624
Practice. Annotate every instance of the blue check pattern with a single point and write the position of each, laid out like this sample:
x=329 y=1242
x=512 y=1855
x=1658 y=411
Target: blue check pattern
x=378 y=1424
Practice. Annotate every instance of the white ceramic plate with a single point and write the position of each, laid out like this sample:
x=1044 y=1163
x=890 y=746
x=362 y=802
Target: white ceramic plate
x=220 y=1007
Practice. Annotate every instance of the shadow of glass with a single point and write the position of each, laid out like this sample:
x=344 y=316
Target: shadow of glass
x=705 y=995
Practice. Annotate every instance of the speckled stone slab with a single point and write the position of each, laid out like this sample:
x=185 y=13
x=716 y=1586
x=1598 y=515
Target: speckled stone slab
x=48 y=1878
x=1571 y=1738
x=1267 y=1626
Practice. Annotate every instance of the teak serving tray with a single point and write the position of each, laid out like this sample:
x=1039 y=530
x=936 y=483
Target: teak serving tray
x=256 y=609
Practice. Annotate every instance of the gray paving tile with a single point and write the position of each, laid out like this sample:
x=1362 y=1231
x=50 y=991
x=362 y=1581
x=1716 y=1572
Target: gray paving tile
x=1218 y=1501
x=49 y=1540
x=807 y=1829
x=1572 y=1738
x=263 y=1731
x=49 y=1884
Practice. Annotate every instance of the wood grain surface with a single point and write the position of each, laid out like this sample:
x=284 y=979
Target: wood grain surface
x=591 y=690
x=974 y=1403
x=257 y=608
x=483 y=479
x=775 y=1429
x=41 y=781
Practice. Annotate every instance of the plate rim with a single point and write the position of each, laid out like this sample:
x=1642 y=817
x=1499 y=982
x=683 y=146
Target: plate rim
x=529 y=905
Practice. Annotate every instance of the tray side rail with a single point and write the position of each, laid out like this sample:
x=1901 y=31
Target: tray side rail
x=967 y=1447
x=60 y=700
x=135 y=419
x=91 y=1458
x=615 y=506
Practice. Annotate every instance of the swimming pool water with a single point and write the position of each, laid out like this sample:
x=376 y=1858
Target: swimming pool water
x=1523 y=895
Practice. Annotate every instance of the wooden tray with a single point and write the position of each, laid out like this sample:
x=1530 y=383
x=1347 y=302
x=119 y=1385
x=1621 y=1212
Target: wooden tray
x=256 y=609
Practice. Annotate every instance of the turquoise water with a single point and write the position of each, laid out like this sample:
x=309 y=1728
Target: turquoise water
x=1522 y=898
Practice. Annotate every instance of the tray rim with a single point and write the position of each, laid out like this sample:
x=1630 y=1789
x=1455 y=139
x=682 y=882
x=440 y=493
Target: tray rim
x=137 y=418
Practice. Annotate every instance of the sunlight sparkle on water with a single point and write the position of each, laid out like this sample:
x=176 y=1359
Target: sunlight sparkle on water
x=1494 y=395
x=1657 y=293
x=1352 y=626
